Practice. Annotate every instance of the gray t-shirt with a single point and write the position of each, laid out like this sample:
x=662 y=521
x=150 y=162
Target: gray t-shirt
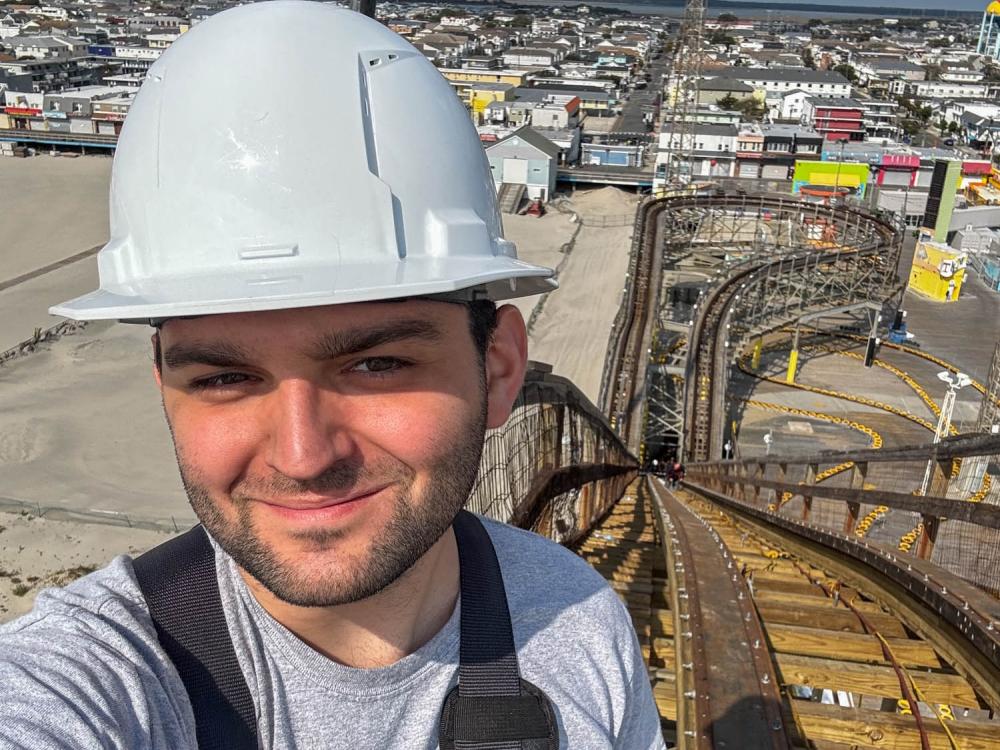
x=84 y=668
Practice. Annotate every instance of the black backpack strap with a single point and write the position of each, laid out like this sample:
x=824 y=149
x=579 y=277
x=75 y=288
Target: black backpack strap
x=491 y=708
x=179 y=582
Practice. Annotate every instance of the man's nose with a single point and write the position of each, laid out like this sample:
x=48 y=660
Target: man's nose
x=307 y=430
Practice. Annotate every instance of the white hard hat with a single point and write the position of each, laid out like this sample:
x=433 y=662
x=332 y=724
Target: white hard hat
x=292 y=154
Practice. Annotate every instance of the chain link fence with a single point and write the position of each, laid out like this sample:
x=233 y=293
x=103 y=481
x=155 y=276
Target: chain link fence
x=906 y=499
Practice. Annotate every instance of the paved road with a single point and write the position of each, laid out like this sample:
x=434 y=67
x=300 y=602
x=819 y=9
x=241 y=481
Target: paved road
x=641 y=100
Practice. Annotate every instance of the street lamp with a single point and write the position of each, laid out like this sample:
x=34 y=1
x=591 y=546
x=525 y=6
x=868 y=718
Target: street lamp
x=955 y=383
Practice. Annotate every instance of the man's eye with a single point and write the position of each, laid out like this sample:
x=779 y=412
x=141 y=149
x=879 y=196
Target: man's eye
x=223 y=380
x=379 y=365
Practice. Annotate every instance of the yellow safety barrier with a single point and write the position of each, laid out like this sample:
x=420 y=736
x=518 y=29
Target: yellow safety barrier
x=793 y=361
x=876 y=440
x=910 y=538
x=758 y=347
x=866 y=523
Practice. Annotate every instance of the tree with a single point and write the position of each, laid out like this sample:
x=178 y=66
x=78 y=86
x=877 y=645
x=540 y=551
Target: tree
x=720 y=37
x=911 y=126
x=952 y=127
x=727 y=18
x=847 y=71
x=521 y=20
x=751 y=109
x=807 y=58
x=728 y=102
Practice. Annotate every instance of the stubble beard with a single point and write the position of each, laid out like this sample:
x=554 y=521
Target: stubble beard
x=415 y=524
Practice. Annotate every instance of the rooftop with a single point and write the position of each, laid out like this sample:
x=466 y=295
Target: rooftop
x=792 y=75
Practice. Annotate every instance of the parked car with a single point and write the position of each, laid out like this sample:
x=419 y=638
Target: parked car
x=949 y=141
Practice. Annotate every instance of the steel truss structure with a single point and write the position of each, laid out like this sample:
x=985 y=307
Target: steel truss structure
x=735 y=268
x=682 y=88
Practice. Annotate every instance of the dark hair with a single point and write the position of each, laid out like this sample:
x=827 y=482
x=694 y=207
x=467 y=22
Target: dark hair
x=482 y=324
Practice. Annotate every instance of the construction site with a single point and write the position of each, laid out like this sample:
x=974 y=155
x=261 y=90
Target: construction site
x=826 y=573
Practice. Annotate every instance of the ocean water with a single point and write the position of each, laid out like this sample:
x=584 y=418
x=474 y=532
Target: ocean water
x=775 y=7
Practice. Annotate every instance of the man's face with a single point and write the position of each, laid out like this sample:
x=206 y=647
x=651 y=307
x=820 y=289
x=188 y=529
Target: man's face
x=326 y=449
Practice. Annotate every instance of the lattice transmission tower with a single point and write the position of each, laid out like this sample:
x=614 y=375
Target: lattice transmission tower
x=682 y=90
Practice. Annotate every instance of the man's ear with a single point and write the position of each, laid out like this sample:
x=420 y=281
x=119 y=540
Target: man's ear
x=157 y=358
x=506 y=362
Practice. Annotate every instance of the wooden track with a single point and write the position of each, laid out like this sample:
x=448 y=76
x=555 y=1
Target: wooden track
x=849 y=671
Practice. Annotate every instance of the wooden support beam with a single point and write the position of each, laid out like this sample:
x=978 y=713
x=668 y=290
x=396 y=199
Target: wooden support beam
x=862 y=728
x=665 y=694
x=981 y=514
x=771 y=595
x=859 y=472
x=662 y=622
x=860 y=647
x=928 y=537
x=827 y=617
x=807 y=498
x=872 y=680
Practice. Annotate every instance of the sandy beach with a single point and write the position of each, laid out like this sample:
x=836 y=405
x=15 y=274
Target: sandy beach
x=84 y=449
x=51 y=208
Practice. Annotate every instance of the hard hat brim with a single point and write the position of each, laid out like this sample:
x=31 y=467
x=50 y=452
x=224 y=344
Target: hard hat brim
x=263 y=288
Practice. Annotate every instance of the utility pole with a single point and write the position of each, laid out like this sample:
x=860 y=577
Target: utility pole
x=955 y=384
x=840 y=160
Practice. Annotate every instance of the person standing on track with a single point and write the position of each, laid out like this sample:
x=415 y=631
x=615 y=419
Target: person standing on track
x=329 y=353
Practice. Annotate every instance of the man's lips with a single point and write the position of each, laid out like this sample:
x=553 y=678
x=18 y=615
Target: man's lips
x=321 y=502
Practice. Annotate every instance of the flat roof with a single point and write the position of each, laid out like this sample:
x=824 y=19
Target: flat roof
x=792 y=75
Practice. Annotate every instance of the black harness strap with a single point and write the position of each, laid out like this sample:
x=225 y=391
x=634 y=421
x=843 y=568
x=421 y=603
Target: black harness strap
x=182 y=592
x=491 y=708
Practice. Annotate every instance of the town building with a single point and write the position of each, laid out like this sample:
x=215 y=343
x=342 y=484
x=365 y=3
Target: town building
x=782 y=80
x=524 y=158
x=835 y=119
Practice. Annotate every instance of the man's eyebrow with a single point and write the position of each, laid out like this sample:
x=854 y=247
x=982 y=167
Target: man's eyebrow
x=213 y=354
x=342 y=343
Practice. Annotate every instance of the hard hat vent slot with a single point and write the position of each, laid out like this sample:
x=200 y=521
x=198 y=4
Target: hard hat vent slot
x=379 y=58
x=268 y=251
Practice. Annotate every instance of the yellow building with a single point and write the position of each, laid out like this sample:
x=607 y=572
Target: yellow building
x=482 y=95
x=938 y=271
x=463 y=76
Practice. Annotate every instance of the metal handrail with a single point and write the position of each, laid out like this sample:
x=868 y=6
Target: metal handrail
x=956 y=446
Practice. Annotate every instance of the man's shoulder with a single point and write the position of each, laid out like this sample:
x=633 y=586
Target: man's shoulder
x=111 y=587
x=104 y=607
x=543 y=575
x=84 y=667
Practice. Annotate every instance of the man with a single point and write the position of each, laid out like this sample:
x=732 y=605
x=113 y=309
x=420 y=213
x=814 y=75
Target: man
x=329 y=354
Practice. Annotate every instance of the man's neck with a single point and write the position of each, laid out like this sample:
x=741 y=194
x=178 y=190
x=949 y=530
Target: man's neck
x=384 y=628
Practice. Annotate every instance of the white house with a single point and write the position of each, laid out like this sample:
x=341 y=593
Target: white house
x=529 y=57
x=945 y=90
x=784 y=80
x=524 y=158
